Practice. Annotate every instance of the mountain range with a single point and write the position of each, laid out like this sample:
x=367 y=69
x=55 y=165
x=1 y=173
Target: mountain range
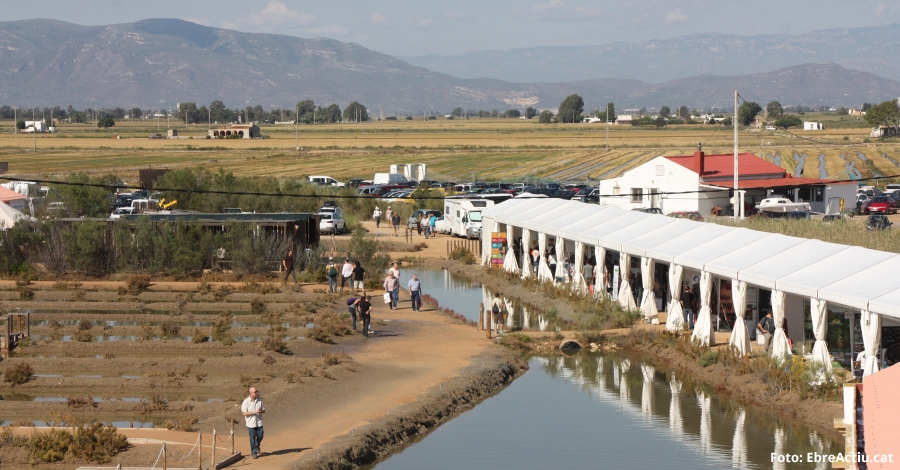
x=658 y=60
x=156 y=63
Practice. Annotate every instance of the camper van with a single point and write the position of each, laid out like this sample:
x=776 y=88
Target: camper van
x=462 y=216
x=389 y=178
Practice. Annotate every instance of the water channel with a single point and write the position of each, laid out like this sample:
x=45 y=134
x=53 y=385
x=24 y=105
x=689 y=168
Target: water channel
x=605 y=411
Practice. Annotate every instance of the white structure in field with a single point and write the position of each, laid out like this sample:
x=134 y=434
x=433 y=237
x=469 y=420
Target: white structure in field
x=35 y=126
x=812 y=126
x=412 y=171
x=703 y=182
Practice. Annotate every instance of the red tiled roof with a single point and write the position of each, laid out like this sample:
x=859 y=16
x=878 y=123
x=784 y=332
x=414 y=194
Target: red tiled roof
x=880 y=411
x=7 y=194
x=723 y=165
x=771 y=182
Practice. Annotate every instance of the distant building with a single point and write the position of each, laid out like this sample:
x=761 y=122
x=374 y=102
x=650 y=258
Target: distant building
x=624 y=119
x=35 y=126
x=243 y=131
x=856 y=112
x=812 y=126
x=12 y=199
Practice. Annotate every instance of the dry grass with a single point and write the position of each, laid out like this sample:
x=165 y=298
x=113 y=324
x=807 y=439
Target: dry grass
x=852 y=232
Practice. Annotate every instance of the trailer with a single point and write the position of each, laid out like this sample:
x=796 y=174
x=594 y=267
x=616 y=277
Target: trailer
x=885 y=131
x=462 y=214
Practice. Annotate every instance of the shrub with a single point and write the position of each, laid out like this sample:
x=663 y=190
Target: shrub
x=518 y=342
x=462 y=254
x=18 y=374
x=81 y=402
x=85 y=325
x=185 y=424
x=221 y=293
x=197 y=337
x=25 y=293
x=327 y=325
x=83 y=336
x=275 y=344
x=50 y=446
x=137 y=283
x=268 y=360
x=708 y=358
x=258 y=307
x=169 y=330
x=329 y=359
x=152 y=404
x=146 y=333
x=221 y=327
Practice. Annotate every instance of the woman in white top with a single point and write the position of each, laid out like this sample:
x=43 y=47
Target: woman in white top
x=395 y=268
x=377 y=216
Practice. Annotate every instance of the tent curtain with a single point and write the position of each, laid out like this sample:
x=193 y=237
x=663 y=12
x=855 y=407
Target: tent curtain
x=560 y=259
x=819 y=315
x=740 y=336
x=703 y=328
x=739 y=442
x=600 y=273
x=871 y=332
x=626 y=298
x=648 y=372
x=577 y=274
x=781 y=349
x=676 y=423
x=509 y=261
x=648 y=298
x=544 y=273
x=674 y=312
x=527 y=269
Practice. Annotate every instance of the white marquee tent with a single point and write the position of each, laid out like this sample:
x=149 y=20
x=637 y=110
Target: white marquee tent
x=852 y=277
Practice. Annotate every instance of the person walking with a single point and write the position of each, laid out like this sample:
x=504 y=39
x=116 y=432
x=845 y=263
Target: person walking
x=288 y=264
x=687 y=306
x=419 y=223
x=497 y=313
x=365 y=314
x=252 y=408
x=551 y=263
x=359 y=279
x=331 y=272
x=377 y=216
x=766 y=326
x=415 y=293
x=432 y=222
x=388 y=215
x=392 y=287
x=395 y=221
x=352 y=306
x=395 y=268
x=346 y=273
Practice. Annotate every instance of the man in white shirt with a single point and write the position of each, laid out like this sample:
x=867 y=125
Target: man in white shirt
x=346 y=272
x=252 y=409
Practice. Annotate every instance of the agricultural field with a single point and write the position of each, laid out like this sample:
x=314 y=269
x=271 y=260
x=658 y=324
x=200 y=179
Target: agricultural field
x=456 y=150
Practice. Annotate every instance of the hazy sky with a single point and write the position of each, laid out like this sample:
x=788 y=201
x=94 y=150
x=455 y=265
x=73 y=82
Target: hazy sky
x=419 y=27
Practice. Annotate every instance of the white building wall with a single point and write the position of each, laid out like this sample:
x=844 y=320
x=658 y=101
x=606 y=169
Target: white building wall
x=844 y=190
x=671 y=177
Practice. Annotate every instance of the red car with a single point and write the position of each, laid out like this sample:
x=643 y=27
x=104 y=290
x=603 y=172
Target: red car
x=880 y=204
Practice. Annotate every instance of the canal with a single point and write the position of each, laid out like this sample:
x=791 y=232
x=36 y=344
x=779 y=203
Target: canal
x=604 y=411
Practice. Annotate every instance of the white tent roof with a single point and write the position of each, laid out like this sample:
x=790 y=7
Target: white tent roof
x=730 y=264
x=765 y=272
x=858 y=289
x=9 y=216
x=574 y=215
x=543 y=205
x=667 y=251
x=807 y=281
x=602 y=214
x=638 y=246
x=888 y=304
x=595 y=235
x=615 y=240
x=559 y=209
x=500 y=212
x=697 y=258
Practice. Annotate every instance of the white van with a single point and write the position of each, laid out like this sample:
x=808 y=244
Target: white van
x=324 y=180
x=389 y=178
x=462 y=216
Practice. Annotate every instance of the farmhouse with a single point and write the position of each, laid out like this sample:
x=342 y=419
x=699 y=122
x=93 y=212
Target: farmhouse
x=242 y=131
x=624 y=119
x=703 y=182
x=12 y=198
x=812 y=126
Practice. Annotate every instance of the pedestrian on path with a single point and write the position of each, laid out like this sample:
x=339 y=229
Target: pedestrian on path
x=388 y=215
x=359 y=279
x=288 y=264
x=346 y=273
x=395 y=221
x=392 y=287
x=353 y=307
x=415 y=293
x=377 y=216
x=331 y=272
x=365 y=314
x=687 y=306
x=766 y=326
x=253 y=409
x=497 y=313
x=432 y=221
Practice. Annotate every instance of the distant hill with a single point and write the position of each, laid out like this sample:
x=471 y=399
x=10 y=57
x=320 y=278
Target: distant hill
x=155 y=63
x=659 y=60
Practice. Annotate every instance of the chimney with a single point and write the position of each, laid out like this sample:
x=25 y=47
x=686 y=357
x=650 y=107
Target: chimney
x=698 y=160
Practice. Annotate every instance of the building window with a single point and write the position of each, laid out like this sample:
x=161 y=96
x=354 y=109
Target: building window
x=637 y=194
x=660 y=171
x=818 y=194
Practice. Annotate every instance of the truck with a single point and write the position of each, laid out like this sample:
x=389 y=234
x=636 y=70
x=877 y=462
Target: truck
x=462 y=215
x=389 y=178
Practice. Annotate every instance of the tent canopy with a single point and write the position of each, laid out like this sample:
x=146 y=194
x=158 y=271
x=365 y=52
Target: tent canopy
x=765 y=272
x=560 y=211
x=596 y=235
x=808 y=280
x=639 y=245
x=615 y=240
x=704 y=233
x=602 y=214
x=858 y=289
x=697 y=258
x=730 y=264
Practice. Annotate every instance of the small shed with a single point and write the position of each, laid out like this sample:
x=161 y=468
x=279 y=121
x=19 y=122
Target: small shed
x=812 y=126
x=236 y=131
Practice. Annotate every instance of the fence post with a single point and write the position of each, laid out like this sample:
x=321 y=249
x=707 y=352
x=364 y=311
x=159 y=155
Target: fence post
x=490 y=317
x=481 y=317
x=215 y=441
x=200 y=451
x=232 y=437
x=165 y=456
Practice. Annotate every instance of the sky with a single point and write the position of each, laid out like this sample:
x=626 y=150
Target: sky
x=407 y=28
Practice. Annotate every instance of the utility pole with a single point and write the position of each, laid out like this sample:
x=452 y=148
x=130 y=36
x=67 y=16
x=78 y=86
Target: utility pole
x=16 y=119
x=738 y=211
x=297 y=128
x=33 y=130
x=607 y=127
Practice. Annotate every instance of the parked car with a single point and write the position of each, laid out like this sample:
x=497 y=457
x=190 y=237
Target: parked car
x=563 y=194
x=123 y=200
x=576 y=187
x=441 y=226
x=121 y=212
x=522 y=186
x=649 y=210
x=330 y=222
x=588 y=195
x=692 y=215
x=354 y=183
x=770 y=128
x=785 y=215
x=878 y=222
x=544 y=191
x=880 y=204
x=892 y=188
x=331 y=208
x=425 y=213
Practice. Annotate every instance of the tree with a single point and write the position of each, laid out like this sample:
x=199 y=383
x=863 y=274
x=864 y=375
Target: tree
x=495 y=113
x=571 y=108
x=774 y=110
x=664 y=112
x=331 y=114
x=790 y=120
x=530 y=112
x=457 y=112
x=608 y=113
x=189 y=112
x=355 y=112
x=512 y=113
x=546 y=117
x=20 y=124
x=866 y=106
x=136 y=113
x=683 y=112
x=886 y=113
x=106 y=121
x=747 y=112
x=727 y=122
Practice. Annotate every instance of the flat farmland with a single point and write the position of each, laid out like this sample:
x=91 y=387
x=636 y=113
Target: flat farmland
x=454 y=149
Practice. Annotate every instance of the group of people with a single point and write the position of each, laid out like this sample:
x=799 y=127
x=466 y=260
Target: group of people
x=390 y=216
x=392 y=289
x=352 y=275
x=424 y=225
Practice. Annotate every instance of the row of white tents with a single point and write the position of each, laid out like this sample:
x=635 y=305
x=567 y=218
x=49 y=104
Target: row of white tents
x=850 y=276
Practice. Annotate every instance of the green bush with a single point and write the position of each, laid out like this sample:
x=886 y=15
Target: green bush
x=18 y=374
x=708 y=358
